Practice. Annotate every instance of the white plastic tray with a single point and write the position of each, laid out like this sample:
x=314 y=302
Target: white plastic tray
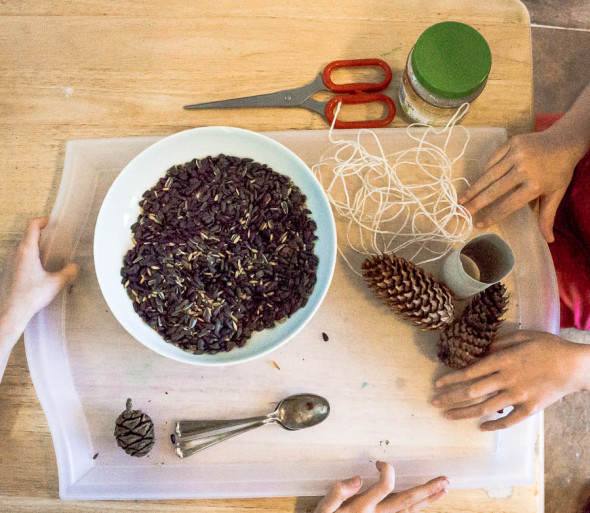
x=377 y=373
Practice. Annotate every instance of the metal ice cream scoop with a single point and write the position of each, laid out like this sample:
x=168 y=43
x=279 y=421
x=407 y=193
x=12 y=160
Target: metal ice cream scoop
x=294 y=412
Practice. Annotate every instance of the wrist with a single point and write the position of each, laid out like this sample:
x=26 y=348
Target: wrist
x=570 y=136
x=11 y=328
x=582 y=366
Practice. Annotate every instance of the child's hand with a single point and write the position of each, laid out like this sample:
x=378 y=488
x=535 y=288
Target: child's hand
x=527 y=167
x=25 y=287
x=343 y=497
x=527 y=370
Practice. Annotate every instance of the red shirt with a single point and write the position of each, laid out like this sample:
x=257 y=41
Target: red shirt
x=571 y=249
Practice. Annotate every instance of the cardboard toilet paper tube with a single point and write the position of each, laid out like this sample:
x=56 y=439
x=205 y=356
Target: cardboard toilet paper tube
x=479 y=263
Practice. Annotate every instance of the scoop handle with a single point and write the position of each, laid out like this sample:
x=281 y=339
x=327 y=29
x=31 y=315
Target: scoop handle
x=186 y=448
x=191 y=429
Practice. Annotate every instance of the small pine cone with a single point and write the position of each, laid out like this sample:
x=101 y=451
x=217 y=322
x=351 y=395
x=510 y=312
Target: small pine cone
x=410 y=291
x=468 y=339
x=134 y=431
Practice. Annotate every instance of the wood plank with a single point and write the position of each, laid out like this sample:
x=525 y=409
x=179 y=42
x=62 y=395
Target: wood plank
x=499 y=11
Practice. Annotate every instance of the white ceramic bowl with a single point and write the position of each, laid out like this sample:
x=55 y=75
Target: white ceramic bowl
x=120 y=209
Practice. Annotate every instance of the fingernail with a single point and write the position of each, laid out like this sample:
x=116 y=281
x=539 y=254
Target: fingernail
x=449 y=416
x=480 y=225
x=438 y=383
x=442 y=485
x=356 y=481
x=436 y=402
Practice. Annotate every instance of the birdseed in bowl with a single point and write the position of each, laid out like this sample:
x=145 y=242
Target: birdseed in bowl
x=223 y=247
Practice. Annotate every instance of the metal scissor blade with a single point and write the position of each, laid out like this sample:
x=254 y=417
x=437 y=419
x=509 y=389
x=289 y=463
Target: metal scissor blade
x=315 y=106
x=287 y=98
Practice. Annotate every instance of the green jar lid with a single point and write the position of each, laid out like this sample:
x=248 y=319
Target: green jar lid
x=451 y=59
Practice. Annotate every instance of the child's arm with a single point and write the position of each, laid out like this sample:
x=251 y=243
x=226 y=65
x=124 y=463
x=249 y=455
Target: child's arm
x=9 y=336
x=532 y=166
x=25 y=288
x=527 y=370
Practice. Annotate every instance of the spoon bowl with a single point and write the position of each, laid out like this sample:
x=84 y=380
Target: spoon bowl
x=302 y=411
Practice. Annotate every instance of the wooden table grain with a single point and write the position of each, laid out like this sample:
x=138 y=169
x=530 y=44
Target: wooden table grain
x=106 y=68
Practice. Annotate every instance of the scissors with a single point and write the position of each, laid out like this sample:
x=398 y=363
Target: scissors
x=355 y=93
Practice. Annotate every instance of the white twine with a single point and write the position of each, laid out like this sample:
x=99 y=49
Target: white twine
x=401 y=200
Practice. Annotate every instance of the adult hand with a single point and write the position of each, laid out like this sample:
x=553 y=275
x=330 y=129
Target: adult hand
x=527 y=167
x=25 y=287
x=344 y=496
x=527 y=370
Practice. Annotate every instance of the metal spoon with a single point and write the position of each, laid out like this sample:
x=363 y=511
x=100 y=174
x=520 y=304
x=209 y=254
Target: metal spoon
x=292 y=413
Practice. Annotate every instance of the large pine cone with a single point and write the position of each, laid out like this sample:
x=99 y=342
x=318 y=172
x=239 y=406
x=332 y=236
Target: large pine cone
x=469 y=338
x=134 y=431
x=410 y=291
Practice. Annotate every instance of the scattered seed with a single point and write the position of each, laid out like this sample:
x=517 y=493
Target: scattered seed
x=325 y=337
x=275 y=364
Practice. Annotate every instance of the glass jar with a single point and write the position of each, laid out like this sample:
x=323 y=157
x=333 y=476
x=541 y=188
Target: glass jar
x=449 y=65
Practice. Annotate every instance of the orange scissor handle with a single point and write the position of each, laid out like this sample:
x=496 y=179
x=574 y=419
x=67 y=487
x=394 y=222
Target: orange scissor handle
x=356 y=99
x=359 y=86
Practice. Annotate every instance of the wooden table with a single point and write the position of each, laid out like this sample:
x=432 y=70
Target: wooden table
x=104 y=68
